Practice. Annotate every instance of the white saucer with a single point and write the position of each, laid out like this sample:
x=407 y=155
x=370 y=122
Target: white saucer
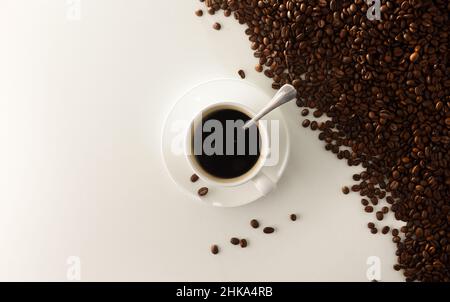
x=178 y=120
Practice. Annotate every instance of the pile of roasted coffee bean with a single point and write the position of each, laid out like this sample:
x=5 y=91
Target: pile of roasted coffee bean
x=384 y=88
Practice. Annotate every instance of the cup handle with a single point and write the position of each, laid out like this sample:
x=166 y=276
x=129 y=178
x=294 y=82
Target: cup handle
x=263 y=183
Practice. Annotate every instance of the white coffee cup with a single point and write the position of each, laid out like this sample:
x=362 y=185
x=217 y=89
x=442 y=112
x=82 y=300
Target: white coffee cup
x=255 y=175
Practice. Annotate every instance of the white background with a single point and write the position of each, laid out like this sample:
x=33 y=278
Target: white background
x=82 y=104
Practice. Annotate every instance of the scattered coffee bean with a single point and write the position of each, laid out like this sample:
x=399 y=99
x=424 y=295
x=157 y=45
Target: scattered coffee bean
x=241 y=74
x=214 y=249
x=385 y=230
x=268 y=230
x=199 y=13
x=306 y=123
x=364 y=202
x=305 y=112
x=395 y=232
x=385 y=210
x=368 y=209
x=259 y=68
x=194 y=178
x=374 y=230
x=345 y=190
x=379 y=215
x=243 y=243
x=371 y=225
x=217 y=26
x=254 y=223
x=234 y=241
x=293 y=217
x=203 y=191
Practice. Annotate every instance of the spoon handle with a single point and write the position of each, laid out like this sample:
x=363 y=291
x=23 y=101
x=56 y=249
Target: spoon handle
x=285 y=94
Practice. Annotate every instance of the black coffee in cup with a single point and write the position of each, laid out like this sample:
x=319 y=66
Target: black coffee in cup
x=227 y=150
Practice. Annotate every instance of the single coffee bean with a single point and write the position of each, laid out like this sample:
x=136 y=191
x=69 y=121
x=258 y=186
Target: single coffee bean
x=259 y=68
x=194 y=178
x=203 y=191
x=214 y=249
x=414 y=56
x=345 y=190
x=306 y=123
x=368 y=209
x=268 y=230
x=234 y=241
x=217 y=26
x=293 y=217
x=364 y=202
x=379 y=215
x=317 y=113
x=371 y=225
x=305 y=112
x=385 y=210
x=241 y=74
x=243 y=243
x=314 y=125
x=199 y=13
x=254 y=223
x=374 y=230
x=395 y=232
x=385 y=230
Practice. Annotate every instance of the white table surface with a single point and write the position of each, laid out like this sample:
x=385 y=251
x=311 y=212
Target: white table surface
x=82 y=104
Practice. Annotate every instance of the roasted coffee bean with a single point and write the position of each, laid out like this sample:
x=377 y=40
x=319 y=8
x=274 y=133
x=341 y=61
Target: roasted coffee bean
x=243 y=243
x=214 y=249
x=217 y=26
x=293 y=217
x=364 y=202
x=194 y=178
x=374 y=230
x=254 y=223
x=199 y=13
x=203 y=191
x=345 y=190
x=371 y=225
x=379 y=215
x=395 y=232
x=317 y=113
x=268 y=230
x=314 y=125
x=385 y=230
x=385 y=210
x=368 y=209
x=383 y=89
x=259 y=68
x=306 y=123
x=234 y=241
x=305 y=112
x=241 y=74
x=356 y=177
